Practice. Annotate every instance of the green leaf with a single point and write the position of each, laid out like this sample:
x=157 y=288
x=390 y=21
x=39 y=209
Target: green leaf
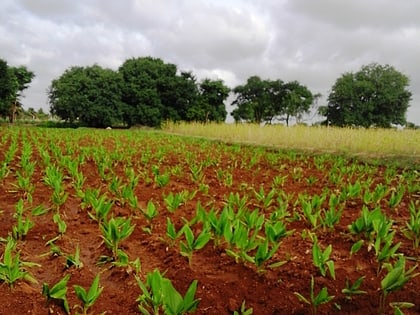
x=190 y=304
x=172 y=299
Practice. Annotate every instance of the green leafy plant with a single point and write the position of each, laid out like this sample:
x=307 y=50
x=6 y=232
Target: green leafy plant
x=12 y=268
x=264 y=253
x=332 y=216
x=100 y=205
x=74 y=259
x=88 y=298
x=61 y=224
x=395 y=279
x=243 y=310
x=158 y=294
x=171 y=232
x=412 y=229
x=353 y=289
x=150 y=212
x=192 y=243
x=398 y=306
x=57 y=292
x=174 y=201
x=114 y=231
x=23 y=224
x=315 y=300
x=321 y=259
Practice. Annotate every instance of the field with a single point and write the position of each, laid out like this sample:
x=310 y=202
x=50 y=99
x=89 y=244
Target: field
x=164 y=224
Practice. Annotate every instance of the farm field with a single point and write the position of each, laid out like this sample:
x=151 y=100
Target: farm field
x=221 y=228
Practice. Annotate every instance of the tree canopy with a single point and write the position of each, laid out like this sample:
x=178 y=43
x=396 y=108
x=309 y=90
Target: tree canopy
x=144 y=91
x=376 y=95
x=13 y=81
x=260 y=100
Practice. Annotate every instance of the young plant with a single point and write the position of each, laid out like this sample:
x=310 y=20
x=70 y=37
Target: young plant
x=100 y=205
x=395 y=279
x=74 y=260
x=114 y=231
x=332 y=216
x=264 y=254
x=412 y=229
x=23 y=225
x=243 y=310
x=171 y=232
x=57 y=292
x=174 y=201
x=353 y=289
x=315 y=301
x=88 y=298
x=61 y=224
x=192 y=243
x=150 y=212
x=12 y=268
x=321 y=259
x=158 y=294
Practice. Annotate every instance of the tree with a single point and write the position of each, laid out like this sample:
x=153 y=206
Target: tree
x=148 y=87
x=6 y=88
x=376 y=95
x=265 y=100
x=13 y=81
x=297 y=101
x=210 y=105
x=90 y=95
x=253 y=100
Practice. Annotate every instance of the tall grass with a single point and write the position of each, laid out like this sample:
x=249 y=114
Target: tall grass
x=371 y=143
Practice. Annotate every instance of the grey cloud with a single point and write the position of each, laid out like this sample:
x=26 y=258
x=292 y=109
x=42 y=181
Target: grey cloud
x=313 y=42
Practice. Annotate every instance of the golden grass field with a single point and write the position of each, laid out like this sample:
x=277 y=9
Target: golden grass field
x=401 y=145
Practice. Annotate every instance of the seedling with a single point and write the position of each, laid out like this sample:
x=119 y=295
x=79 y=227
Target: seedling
x=412 y=230
x=174 y=201
x=57 y=292
x=243 y=310
x=158 y=294
x=353 y=289
x=171 y=232
x=150 y=212
x=395 y=279
x=23 y=225
x=74 y=260
x=12 y=268
x=264 y=253
x=114 y=231
x=315 y=301
x=88 y=298
x=101 y=207
x=61 y=224
x=192 y=243
x=321 y=259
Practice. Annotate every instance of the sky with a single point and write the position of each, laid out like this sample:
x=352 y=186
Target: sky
x=314 y=42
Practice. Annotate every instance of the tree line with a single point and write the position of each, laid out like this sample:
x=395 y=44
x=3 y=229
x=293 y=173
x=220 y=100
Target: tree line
x=147 y=91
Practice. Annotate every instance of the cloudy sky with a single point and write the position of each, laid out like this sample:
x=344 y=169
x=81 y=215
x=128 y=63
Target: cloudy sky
x=314 y=42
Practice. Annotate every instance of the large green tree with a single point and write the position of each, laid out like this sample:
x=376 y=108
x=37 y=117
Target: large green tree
x=13 y=81
x=253 y=100
x=6 y=89
x=210 y=104
x=266 y=100
x=376 y=95
x=90 y=95
x=155 y=91
x=149 y=84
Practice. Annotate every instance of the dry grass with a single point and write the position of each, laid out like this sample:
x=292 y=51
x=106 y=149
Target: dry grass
x=364 y=143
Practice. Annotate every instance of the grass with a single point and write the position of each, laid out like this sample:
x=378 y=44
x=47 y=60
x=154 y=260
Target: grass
x=390 y=144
